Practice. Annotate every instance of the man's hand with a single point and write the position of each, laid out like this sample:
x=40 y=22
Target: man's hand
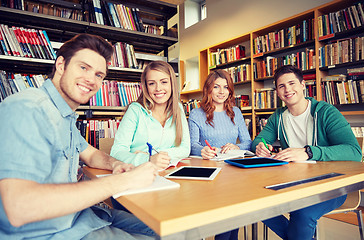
x=292 y=154
x=262 y=151
x=120 y=167
x=142 y=176
x=207 y=153
x=161 y=160
x=229 y=146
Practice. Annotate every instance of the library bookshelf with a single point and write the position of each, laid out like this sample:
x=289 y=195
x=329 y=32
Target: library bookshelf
x=147 y=46
x=299 y=40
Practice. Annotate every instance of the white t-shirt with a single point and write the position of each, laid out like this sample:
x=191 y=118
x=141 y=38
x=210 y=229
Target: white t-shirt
x=299 y=129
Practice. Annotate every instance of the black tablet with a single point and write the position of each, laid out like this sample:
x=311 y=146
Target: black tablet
x=195 y=173
x=255 y=162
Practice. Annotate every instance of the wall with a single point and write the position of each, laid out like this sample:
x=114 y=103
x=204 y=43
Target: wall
x=227 y=19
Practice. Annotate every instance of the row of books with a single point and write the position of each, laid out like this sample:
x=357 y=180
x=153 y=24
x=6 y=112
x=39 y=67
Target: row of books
x=52 y=9
x=189 y=105
x=242 y=101
x=11 y=83
x=310 y=85
x=261 y=122
x=154 y=29
x=299 y=33
x=249 y=126
x=94 y=11
x=93 y=130
x=310 y=89
x=342 y=20
x=226 y=55
x=342 y=89
x=116 y=15
x=304 y=60
x=241 y=73
x=23 y=42
x=114 y=93
x=358 y=131
x=124 y=56
x=341 y=51
x=266 y=98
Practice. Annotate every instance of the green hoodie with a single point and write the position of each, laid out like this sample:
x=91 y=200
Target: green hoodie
x=333 y=138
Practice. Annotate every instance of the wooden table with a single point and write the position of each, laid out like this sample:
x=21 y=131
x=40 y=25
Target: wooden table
x=237 y=196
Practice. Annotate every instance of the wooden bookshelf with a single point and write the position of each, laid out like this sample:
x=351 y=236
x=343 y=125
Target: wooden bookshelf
x=146 y=45
x=254 y=57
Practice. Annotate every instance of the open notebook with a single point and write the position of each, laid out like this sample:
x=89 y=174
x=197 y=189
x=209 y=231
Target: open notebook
x=160 y=183
x=232 y=154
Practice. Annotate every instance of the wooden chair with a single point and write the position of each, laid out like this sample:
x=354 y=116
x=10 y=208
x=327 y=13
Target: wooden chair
x=105 y=144
x=351 y=204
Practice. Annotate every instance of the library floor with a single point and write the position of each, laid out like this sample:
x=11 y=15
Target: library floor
x=335 y=227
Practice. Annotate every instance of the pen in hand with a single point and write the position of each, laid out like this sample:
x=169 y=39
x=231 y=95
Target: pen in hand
x=208 y=144
x=265 y=144
x=150 y=148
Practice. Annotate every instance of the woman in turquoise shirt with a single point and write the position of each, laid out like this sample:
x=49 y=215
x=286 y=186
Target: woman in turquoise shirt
x=157 y=117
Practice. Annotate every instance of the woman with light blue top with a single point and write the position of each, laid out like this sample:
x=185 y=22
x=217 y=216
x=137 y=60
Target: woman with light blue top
x=218 y=122
x=157 y=118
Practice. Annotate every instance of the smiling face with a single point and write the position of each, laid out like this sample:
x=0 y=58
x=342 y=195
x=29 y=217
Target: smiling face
x=81 y=78
x=220 y=92
x=290 y=90
x=159 y=87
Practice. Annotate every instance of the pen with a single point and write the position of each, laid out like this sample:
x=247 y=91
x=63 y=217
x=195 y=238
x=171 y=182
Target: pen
x=265 y=144
x=151 y=148
x=208 y=144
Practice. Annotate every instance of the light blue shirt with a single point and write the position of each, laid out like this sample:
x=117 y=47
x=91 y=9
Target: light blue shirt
x=138 y=127
x=223 y=132
x=40 y=142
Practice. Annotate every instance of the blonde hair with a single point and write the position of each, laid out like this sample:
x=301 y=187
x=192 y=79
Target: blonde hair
x=173 y=108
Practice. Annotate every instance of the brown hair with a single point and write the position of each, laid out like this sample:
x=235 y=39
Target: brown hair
x=173 y=108
x=287 y=69
x=84 y=41
x=207 y=103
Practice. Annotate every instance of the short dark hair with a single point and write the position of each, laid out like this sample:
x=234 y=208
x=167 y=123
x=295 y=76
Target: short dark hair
x=287 y=69
x=84 y=41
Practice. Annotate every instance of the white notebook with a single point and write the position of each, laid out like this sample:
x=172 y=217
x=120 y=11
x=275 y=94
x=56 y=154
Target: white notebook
x=160 y=183
x=232 y=154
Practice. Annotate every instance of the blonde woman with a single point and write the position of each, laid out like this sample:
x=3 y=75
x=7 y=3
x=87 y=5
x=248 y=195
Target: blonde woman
x=157 y=118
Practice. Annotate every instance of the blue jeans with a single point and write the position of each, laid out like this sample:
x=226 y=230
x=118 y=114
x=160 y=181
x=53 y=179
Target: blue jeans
x=124 y=225
x=231 y=235
x=302 y=223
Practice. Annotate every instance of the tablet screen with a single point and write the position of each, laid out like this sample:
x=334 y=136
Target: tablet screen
x=255 y=162
x=191 y=172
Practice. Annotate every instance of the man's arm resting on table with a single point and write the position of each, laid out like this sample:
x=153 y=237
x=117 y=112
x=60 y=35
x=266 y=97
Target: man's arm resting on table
x=24 y=200
x=27 y=201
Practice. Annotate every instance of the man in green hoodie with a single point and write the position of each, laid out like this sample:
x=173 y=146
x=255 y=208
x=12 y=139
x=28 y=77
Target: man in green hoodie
x=307 y=130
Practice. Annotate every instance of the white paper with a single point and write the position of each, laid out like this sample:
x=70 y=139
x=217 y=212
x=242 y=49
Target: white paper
x=160 y=183
x=232 y=154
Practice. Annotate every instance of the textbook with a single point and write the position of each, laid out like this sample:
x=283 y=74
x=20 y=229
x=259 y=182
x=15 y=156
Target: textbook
x=160 y=183
x=232 y=154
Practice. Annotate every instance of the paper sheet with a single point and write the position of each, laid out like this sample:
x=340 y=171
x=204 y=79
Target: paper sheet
x=232 y=154
x=160 y=183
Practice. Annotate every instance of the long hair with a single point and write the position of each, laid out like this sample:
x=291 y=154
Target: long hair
x=207 y=103
x=172 y=108
x=83 y=41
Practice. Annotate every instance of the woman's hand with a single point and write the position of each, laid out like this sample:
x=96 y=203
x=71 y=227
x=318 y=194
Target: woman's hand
x=229 y=146
x=207 y=153
x=161 y=160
